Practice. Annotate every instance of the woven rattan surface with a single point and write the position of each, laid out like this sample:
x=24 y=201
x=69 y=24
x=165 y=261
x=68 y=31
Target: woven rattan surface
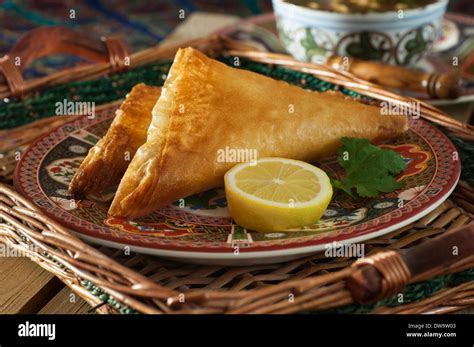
x=149 y=284
x=126 y=283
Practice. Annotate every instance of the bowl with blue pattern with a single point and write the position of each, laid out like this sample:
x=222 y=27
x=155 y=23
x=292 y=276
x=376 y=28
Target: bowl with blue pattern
x=398 y=36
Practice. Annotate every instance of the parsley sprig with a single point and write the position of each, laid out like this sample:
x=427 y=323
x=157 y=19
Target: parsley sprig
x=369 y=169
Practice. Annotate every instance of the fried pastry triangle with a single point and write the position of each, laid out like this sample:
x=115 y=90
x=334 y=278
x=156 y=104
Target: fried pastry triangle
x=107 y=161
x=207 y=107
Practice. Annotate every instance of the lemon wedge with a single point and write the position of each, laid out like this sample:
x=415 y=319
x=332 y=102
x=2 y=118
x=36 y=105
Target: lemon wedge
x=275 y=194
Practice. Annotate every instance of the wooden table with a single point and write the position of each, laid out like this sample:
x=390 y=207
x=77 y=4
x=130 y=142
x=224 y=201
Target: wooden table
x=27 y=288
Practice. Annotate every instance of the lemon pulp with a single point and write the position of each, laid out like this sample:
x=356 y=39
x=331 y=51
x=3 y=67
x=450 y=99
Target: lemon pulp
x=275 y=194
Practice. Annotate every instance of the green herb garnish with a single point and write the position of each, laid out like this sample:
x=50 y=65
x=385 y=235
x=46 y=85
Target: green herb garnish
x=369 y=169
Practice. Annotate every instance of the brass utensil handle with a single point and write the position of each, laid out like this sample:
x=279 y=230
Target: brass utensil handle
x=436 y=86
x=45 y=41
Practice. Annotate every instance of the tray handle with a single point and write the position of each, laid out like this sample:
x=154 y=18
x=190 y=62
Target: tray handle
x=46 y=41
x=386 y=273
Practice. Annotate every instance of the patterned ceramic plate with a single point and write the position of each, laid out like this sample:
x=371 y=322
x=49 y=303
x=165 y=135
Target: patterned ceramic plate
x=199 y=229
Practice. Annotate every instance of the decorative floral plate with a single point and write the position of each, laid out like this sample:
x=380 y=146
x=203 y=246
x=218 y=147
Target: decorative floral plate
x=199 y=228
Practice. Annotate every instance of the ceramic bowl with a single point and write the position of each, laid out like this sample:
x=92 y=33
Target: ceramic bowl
x=394 y=37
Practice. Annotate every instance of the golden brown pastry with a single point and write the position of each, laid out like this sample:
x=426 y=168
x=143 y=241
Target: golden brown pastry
x=206 y=107
x=107 y=161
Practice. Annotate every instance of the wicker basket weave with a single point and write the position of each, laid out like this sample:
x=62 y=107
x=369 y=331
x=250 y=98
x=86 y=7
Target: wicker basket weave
x=153 y=285
x=114 y=282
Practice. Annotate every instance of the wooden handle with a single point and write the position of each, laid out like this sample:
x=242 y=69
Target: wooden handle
x=386 y=273
x=436 y=86
x=441 y=253
x=46 y=41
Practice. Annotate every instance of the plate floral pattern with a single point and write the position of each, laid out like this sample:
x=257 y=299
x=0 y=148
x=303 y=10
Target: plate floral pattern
x=201 y=223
